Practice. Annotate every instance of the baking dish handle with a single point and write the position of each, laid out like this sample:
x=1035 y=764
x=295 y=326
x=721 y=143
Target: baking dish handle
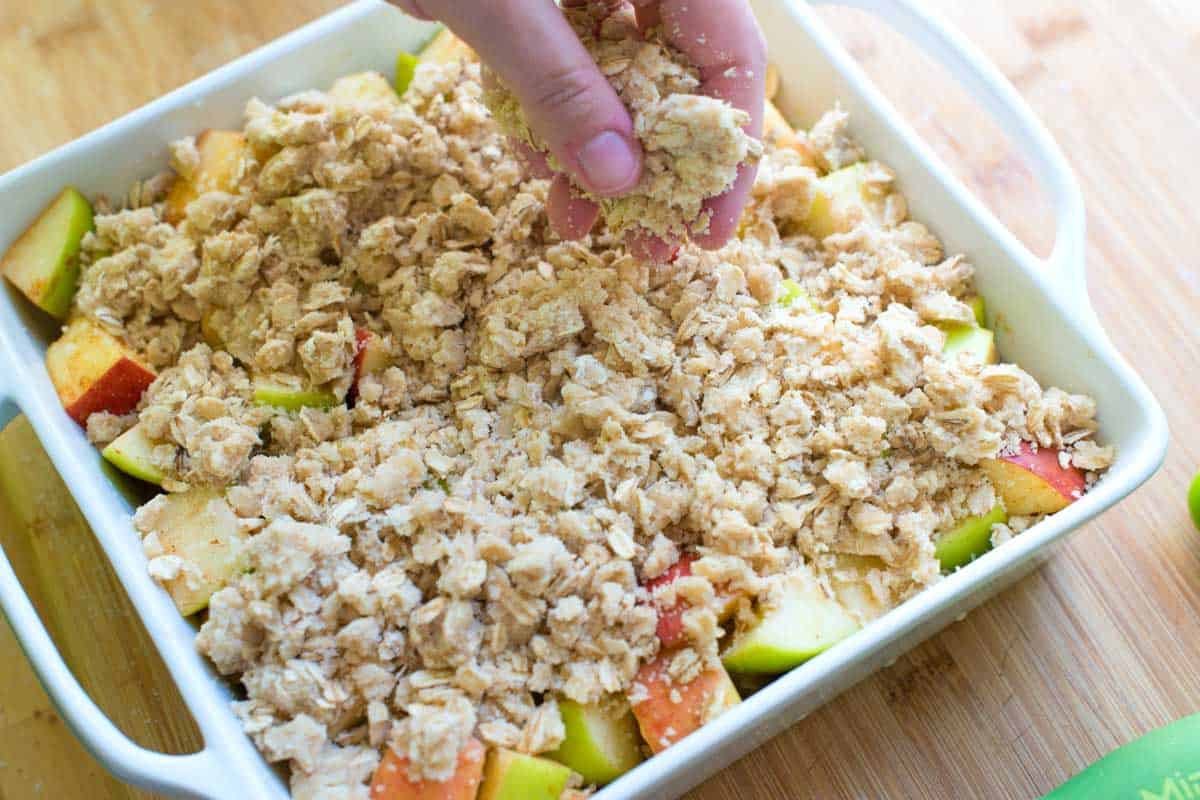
x=197 y=775
x=994 y=92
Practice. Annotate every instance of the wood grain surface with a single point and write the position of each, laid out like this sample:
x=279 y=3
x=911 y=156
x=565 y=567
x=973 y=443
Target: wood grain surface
x=1095 y=649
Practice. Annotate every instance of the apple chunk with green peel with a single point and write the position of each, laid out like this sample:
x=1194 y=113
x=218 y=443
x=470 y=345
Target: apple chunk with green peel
x=199 y=527
x=44 y=262
x=510 y=775
x=844 y=199
x=291 y=394
x=667 y=711
x=1033 y=481
x=977 y=343
x=220 y=167
x=391 y=780
x=134 y=454
x=968 y=540
x=800 y=622
x=601 y=741
x=92 y=370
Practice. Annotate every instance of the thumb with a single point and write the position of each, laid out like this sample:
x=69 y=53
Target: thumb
x=566 y=100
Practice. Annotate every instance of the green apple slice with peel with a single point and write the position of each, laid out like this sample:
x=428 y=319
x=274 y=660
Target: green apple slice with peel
x=978 y=308
x=791 y=293
x=406 y=68
x=44 y=262
x=968 y=540
x=977 y=343
x=801 y=622
x=133 y=453
x=510 y=775
x=602 y=741
x=200 y=527
x=292 y=397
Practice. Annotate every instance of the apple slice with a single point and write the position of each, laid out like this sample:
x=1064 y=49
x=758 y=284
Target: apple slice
x=1033 y=481
x=670 y=618
x=968 y=540
x=777 y=131
x=803 y=622
x=978 y=308
x=406 y=68
x=133 y=453
x=667 y=711
x=44 y=262
x=601 y=741
x=283 y=392
x=371 y=355
x=849 y=580
x=92 y=370
x=200 y=527
x=364 y=87
x=510 y=775
x=791 y=292
x=221 y=154
x=391 y=781
x=843 y=199
x=446 y=47
x=976 y=343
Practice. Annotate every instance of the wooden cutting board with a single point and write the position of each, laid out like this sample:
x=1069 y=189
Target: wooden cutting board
x=1095 y=649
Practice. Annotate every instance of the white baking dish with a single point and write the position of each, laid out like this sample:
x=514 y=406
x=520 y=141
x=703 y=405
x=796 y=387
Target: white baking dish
x=1048 y=327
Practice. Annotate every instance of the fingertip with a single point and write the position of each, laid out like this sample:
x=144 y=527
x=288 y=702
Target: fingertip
x=645 y=246
x=725 y=210
x=533 y=162
x=571 y=216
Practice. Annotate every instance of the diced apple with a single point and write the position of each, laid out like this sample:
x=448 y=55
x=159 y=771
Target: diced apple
x=850 y=580
x=292 y=395
x=391 y=780
x=510 y=775
x=133 y=453
x=802 y=622
x=364 y=87
x=221 y=155
x=844 y=199
x=667 y=711
x=446 y=47
x=601 y=741
x=968 y=540
x=200 y=527
x=210 y=329
x=92 y=370
x=1034 y=481
x=791 y=293
x=406 y=68
x=44 y=262
x=371 y=354
x=670 y=617
x=978 y=308
x=976 y=343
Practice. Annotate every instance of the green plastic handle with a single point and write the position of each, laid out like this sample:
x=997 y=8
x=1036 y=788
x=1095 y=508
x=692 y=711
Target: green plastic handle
x=1162 y=765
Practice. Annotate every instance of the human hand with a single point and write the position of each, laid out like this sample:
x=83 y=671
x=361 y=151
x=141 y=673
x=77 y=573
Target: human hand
x=574 y=110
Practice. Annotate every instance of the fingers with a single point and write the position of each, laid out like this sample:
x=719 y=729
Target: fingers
x=648 y=247
x=722 y=38
x=567 y=102
x=570 y=215
x=412 y=8
x=726 y=210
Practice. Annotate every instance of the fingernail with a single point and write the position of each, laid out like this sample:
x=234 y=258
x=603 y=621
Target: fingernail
x=608 y=163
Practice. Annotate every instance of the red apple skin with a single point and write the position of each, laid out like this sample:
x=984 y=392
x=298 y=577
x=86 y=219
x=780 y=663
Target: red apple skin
x=117 y=391
x=391 y=781
x=667 y=711
x=1033 y=482
x=670 y=618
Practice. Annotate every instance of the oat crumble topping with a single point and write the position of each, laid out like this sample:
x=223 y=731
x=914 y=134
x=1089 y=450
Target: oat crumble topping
x=557 y=422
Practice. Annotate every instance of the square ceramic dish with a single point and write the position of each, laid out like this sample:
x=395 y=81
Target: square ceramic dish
x=1039 y=301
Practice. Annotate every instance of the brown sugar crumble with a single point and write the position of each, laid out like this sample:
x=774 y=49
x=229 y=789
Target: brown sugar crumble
x=692 y=144
x=556 y=421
